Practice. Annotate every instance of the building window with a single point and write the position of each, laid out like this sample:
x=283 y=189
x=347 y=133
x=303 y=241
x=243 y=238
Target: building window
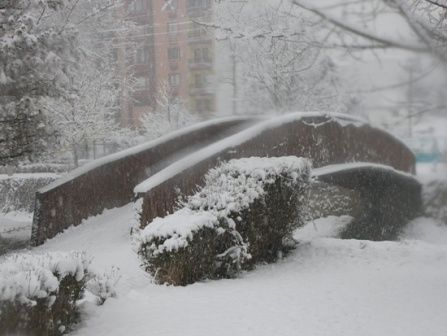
x=197 y=55
x=137 y=5
x=203 y=105
x=174 y=80
x=172 y=28
x=115 y=55
x=200 y=80
x=202 y=55
x=199 y=4
x=141 y=83
x=142 y=56
x=206 y=55
x=174 y=53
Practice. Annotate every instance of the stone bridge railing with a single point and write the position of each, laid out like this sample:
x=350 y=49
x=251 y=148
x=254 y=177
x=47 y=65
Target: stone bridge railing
x=168 y=171
x=109 y=182
x=326 y=139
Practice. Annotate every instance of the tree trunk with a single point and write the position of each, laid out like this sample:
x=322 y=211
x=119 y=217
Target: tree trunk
x=74 y=151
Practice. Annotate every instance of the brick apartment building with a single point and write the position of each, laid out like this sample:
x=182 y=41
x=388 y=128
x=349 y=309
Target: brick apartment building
x=169 y=47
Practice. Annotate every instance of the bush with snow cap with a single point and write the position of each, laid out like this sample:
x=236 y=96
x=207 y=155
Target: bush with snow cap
x=245 y=214
x=39 y=293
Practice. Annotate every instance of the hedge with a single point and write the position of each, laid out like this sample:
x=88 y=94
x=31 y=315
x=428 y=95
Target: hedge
x=39 y=293
x=244 y=215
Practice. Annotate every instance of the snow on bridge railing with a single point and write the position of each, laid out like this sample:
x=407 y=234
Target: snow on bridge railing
x=325 y=138
x=138 y=149
x=108 y=182
x=350 y=166
x=238 y=139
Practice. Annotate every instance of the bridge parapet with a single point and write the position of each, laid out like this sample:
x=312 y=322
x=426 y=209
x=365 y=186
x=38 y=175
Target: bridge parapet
x=109 y=182
x=326 y=139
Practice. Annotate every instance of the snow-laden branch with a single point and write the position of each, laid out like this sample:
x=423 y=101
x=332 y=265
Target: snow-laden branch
x=436 y=3
x=383 y=42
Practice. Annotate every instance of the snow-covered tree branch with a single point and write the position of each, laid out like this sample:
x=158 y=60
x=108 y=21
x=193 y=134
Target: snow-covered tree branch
x=169 y=114
x=36 y=60
x=281 y=67
x=425 y=19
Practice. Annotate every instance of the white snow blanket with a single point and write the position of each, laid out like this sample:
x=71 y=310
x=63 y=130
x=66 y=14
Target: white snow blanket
x=27 y=277
x=327 y=287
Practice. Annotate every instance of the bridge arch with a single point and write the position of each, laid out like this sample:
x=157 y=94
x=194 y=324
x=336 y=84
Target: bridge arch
x=389 y=198
x=325 y=138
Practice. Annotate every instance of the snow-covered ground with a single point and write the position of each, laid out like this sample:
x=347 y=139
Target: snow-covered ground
x=15 y=231
x=327 y=286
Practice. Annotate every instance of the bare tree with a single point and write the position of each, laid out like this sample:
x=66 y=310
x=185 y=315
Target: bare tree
x=350 y=26
x=280 y=69
x=425 y=19
x=169 y=114
x=89 y=115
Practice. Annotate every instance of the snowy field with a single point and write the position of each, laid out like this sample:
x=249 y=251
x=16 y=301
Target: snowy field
x=327 y=286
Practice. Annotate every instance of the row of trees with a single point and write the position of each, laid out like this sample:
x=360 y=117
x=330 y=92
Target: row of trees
x=62 y=89
x=286 y=48
x=59 y=83
x=278 y=67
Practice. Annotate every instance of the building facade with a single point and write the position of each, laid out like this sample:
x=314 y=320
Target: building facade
x=168 y=47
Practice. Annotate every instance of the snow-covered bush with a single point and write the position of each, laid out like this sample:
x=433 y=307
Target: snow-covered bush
x=435 y=199
x=245 y=214
x=39 y=293
x=103 y=285
x=191 y=245
x=17 y=191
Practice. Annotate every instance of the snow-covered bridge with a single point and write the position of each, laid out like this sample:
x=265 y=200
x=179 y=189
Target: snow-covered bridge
x=160 y=171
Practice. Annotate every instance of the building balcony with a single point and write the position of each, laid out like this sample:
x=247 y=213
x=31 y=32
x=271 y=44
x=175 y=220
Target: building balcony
x=201 y=91
x=199 y=65
x=199 y=38
x=173 y=65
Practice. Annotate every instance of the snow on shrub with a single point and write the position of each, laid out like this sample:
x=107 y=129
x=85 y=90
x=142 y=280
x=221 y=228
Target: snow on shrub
x=103 y=285
x=39 y=294
x=245 y=214
x=190 y=245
